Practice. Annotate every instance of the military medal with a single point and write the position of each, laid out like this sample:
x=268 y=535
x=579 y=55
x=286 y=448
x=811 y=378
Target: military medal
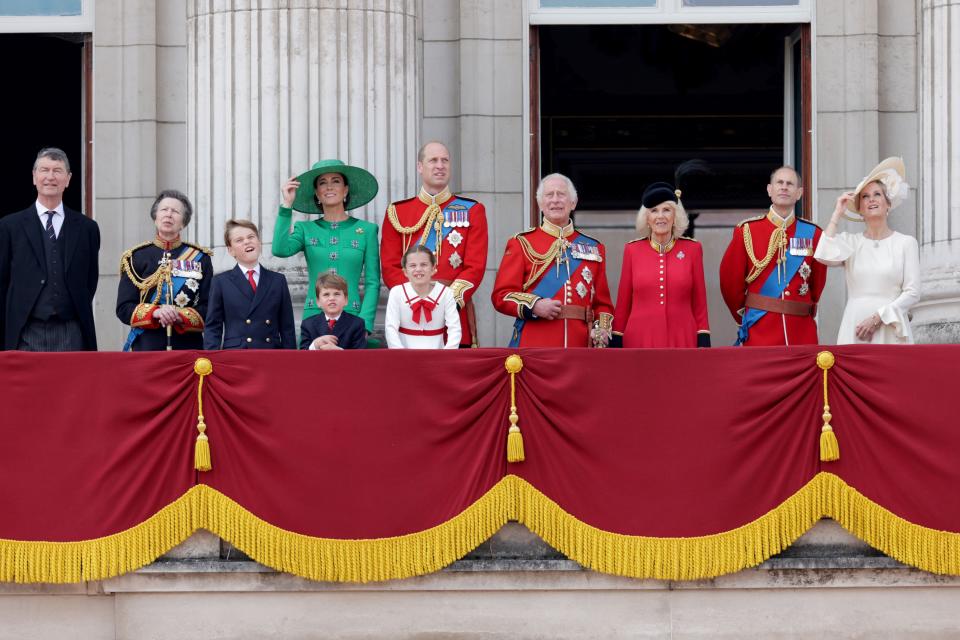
x=454 y=238
x=182 y=299
x=681 y=255
x=192 y=284
x=455 y=260
x=801 y=246
x=586 y=252
x=581 y=289
x=804 y=272
x=587 y=275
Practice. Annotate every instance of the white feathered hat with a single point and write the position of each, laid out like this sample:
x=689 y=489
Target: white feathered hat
x=891 y=173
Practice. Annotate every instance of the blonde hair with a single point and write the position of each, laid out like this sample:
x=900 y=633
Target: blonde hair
x=680 y=220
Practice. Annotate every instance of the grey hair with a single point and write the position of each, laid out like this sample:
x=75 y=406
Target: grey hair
x=572 y=189
x=680 y=220
x=178 y=195
x=52 y=153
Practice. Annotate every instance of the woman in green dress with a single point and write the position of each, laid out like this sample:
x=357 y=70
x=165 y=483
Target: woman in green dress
x=337 y=242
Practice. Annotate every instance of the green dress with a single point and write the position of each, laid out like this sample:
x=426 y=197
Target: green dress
x=348 y=248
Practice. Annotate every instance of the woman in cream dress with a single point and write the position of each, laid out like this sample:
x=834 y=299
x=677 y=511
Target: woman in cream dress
x=882 y=266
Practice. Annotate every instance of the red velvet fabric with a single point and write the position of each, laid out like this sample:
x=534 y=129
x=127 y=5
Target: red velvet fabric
x=377 y=443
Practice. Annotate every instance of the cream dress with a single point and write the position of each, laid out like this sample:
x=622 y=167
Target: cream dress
x=883 y=276
x=399 y=319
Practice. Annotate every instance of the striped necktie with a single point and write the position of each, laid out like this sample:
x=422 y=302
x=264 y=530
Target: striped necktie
x=51 y=232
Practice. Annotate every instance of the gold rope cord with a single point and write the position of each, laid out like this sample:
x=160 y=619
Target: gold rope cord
x=541 y=261
x=778 y=241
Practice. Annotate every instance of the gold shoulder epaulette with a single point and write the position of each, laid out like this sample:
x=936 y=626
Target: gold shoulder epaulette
x=753 y=219
x=588 y=236
x=523 y=233
x=207 y=251
x=126 y=255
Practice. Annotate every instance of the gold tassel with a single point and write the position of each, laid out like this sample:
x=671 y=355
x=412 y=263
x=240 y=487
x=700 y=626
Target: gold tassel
x=829 y=446
x=514 y=438
x=201 y=451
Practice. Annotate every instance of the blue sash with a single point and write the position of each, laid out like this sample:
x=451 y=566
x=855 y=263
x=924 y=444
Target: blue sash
x=461 y=205
x=188 y=253
x=550 y=283
x=772 y=286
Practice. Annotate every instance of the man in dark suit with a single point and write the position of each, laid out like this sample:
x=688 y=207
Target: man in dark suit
x=250 y=306
x=333 y=329
x=48 y=267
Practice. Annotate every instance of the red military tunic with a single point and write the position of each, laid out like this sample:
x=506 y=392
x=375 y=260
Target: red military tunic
x=768 y=245
x=543 y=253
x=462 y=253
x=662 y=299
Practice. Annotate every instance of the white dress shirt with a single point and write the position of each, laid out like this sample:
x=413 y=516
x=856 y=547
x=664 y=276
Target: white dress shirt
x=57 y=219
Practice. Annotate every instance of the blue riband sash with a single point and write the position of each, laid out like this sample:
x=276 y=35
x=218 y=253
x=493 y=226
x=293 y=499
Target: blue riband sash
x=550 y=283
x=773 y=287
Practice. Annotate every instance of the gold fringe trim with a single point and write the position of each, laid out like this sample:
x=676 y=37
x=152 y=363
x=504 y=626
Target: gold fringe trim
x=101 y=558
x=513 y=498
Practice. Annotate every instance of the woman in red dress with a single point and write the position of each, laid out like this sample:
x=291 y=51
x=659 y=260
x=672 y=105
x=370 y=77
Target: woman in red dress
x=662 y=300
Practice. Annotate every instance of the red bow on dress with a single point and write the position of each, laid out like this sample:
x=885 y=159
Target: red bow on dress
x=426 y=305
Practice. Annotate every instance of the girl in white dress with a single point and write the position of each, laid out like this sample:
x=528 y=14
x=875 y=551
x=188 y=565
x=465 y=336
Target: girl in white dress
x=882 y=266
x=421 y=314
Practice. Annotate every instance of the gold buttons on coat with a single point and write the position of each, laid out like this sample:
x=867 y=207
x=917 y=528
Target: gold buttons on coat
x=268 y=321
x=249 y=339
x=248 y=321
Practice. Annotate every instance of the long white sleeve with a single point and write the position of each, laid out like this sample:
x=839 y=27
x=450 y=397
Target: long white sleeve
x=834 y=251
x=451 y=319
x=896 y=313
x=392 y=322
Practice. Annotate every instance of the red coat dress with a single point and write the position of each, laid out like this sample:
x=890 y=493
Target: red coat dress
x=578 y=280
x=662 y=300
x=462 y=254
x=738 y=265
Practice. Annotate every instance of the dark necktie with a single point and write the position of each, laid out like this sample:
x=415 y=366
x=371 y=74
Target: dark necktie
x=330 y=323
x=51 y=232
x=253 y=283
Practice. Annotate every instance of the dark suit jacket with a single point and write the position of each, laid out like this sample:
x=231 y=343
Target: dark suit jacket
x=23 y=271
x=238 y=319
x=350 y=331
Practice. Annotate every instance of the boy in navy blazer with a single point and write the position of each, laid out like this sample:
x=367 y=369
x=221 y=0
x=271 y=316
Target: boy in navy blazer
x=250 y=305
x=333 y=329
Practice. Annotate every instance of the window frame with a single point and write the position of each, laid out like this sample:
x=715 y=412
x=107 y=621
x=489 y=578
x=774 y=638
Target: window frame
x=82 y=23
x=669 y=12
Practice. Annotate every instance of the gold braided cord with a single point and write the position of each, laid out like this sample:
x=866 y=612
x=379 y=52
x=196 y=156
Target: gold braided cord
x=426 y=221
x=163 y=275
x=541 y=261
x=778 y=240
x=365 y=560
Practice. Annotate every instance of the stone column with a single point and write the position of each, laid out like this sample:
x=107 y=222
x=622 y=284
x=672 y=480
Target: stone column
x=275 y=85
x=937 y=318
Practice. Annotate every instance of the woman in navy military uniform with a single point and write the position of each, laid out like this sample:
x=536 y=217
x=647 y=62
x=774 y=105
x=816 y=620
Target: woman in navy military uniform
x=165 y=283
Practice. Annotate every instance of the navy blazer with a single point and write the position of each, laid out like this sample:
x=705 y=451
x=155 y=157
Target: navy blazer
x=23 y=271
x=239 y=319
x=350 y=331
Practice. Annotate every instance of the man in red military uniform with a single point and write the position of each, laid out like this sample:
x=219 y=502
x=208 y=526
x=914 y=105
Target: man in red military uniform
x=768 y=276
x=453 y=227
x=553 y=279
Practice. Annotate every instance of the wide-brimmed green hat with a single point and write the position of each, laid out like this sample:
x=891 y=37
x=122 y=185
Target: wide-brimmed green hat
x=363 y=186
